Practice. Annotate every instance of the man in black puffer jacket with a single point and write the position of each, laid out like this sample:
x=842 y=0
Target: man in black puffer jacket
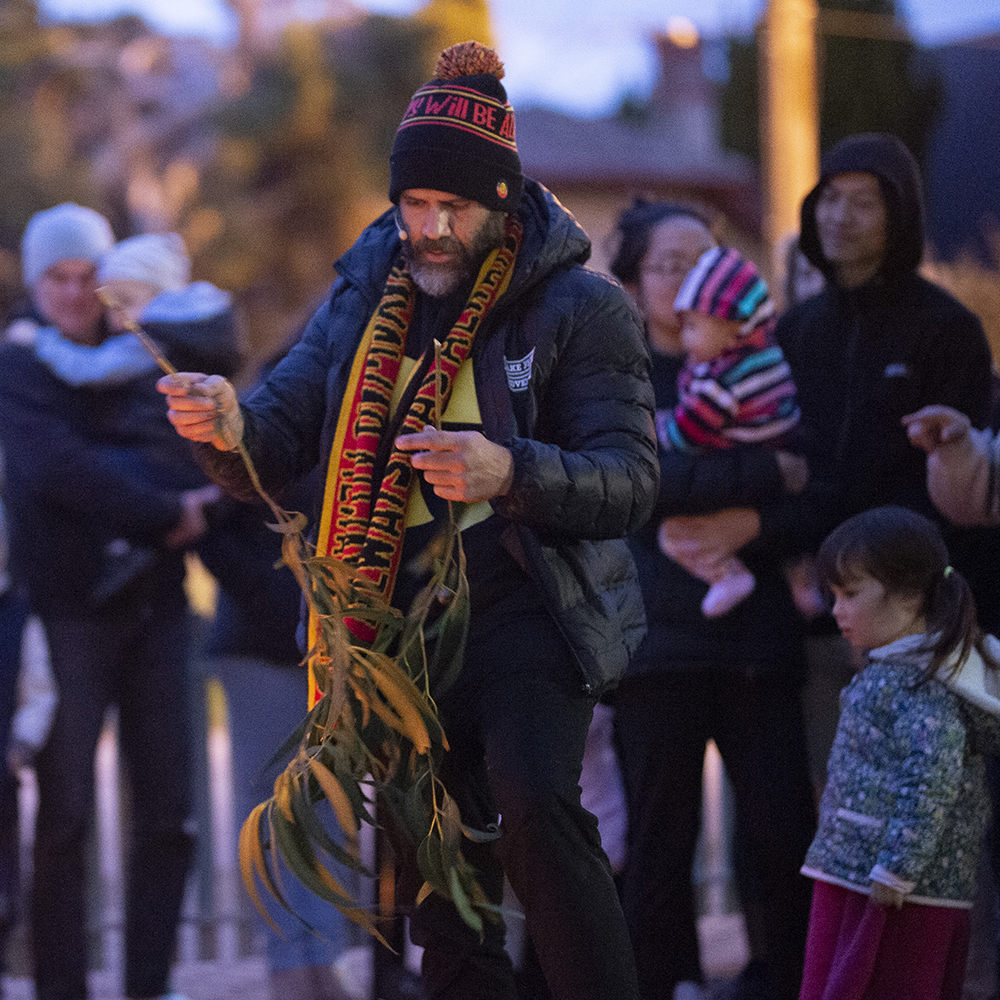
x=548 y=438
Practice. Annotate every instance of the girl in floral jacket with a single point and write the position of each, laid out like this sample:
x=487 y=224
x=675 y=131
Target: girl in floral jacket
x=894 y=859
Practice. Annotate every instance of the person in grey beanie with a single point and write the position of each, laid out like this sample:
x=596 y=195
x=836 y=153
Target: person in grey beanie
x=60 y=252
x=101 y=504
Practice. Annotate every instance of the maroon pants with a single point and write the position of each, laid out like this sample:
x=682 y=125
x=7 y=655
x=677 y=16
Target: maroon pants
x=857 y=950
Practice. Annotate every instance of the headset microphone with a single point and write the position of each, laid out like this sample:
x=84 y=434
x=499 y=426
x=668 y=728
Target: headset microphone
x=403 y=234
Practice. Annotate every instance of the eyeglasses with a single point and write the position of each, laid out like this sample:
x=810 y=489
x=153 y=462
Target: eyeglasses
x=670 y=267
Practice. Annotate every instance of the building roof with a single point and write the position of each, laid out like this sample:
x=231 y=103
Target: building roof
x=668 y=147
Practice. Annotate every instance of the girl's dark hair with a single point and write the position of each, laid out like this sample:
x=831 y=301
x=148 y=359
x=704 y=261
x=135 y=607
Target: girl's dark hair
x=633 y=230
x=905 y=552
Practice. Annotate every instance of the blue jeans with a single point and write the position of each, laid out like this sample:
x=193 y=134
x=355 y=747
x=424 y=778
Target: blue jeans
x=266 y=701
x=136 y=660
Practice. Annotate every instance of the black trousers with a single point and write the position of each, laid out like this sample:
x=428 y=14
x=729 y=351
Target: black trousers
x=662 y=723
x=137 y=661
x=516 y=721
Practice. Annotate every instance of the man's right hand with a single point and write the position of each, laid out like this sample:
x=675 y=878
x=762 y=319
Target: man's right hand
x=203 y=408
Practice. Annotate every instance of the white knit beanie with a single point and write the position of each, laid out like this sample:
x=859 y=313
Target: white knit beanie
x=66 y=232
x=156 y=258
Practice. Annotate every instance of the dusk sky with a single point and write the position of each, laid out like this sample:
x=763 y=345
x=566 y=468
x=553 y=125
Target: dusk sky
x=571 y=54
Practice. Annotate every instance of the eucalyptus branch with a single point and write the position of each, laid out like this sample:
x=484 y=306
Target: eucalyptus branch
x=339 y=756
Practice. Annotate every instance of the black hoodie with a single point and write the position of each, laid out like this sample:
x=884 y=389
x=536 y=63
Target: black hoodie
x=864 y=357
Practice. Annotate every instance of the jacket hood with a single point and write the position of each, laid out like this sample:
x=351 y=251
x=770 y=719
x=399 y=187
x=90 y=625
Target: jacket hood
x=979 y=688
x=552 y=238
x=893 y=164
x=197 y=301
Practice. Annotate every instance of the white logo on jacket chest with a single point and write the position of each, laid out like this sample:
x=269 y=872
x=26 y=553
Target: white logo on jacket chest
x=519 y=372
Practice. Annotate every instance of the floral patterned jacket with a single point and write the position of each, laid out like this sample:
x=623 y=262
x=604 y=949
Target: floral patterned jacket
x=905 y=801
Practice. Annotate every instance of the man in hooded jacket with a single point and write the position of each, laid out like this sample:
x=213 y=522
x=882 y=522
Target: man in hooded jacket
x=879 y=341
x=547 y=436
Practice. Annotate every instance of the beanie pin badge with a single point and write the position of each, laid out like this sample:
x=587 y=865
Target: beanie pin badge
x=501 y=189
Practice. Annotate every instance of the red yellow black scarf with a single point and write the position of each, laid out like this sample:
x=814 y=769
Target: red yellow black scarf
x=360 y=525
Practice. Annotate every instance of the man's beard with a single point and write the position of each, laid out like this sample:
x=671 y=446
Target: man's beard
x=440 y=279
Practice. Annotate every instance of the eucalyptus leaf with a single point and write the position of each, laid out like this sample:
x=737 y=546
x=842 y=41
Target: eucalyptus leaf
x=296 y=522
x=463 y=904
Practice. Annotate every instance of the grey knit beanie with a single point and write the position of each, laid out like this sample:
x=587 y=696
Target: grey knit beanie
x=66 y=232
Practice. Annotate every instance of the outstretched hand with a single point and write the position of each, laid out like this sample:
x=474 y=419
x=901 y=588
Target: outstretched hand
x=203 y=408
x=460 y=465
x=933 y=426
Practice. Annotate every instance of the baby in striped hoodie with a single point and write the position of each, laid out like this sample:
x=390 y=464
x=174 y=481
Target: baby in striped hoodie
x=735 y=388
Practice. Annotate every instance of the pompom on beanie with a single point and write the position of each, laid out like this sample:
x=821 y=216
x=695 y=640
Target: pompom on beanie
x=457 y=134
x=65 y=232
x=727 y=285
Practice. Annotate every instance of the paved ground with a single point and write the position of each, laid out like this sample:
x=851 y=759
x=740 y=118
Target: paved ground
x=722 y=936
x=723 y=947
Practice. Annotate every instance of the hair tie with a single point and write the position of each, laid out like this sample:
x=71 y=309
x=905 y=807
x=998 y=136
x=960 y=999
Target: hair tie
x=948 y=570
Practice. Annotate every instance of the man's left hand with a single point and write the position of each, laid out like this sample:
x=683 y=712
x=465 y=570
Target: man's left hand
x=460 y=465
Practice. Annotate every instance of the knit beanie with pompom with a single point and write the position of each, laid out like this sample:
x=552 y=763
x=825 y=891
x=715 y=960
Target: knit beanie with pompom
x=457 y=135
x=727 y=285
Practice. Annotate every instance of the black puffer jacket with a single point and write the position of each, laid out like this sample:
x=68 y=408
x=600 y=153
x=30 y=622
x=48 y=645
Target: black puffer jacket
x=864 y=357
x=581 y=433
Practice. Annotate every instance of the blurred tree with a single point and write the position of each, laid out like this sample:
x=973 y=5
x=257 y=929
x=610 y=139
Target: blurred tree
x=301 y=152
x=455 y=21
x=47 y=109
x=378 y=64
x=268 y=179
x=976 y=286
x=872 y=79
x=40 y=94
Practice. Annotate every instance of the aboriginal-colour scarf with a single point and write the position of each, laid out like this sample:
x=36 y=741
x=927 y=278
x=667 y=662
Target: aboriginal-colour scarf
x=363 y=525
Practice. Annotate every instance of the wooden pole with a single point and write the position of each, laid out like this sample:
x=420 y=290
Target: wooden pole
x=789 y=116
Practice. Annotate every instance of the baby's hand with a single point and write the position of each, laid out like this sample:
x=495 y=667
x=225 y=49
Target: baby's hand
x=884 y=895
